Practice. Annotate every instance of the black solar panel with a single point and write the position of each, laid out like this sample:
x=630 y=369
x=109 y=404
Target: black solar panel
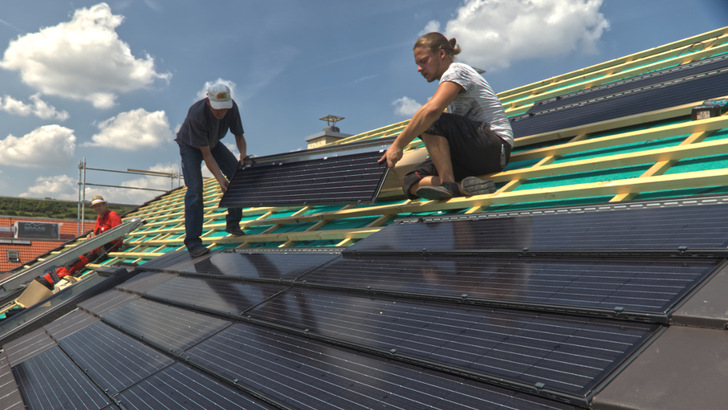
x=69 y=324
x=222 y=296
x=28 y=346
x=263 y=266
x=666 y=228
x=112 y=359
x=179 y=387
x=621 y=286
x=9 y=394
x=51 y=380
x=302 y=373
x=693 y=87
x=555 y=352
x=644 y=81
x=107 y=301
x=336 y=179
x=166 y=327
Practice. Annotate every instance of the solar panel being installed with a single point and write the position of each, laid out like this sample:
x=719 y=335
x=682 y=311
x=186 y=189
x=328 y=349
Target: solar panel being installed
x=353 y=178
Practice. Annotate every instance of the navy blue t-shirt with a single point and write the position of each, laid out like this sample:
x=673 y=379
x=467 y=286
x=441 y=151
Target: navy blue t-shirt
x=201 y=128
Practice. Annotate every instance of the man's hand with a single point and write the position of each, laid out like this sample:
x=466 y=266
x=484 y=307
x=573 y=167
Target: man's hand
x=223 y=184
x=247 y=160
x=391 y=156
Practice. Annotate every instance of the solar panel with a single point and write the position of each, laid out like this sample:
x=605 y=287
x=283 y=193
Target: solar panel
x=69 y=324
x=113 y=360
x=336 y=179
x=272 y=266
x=107 y=301
x=51 y=380
x=620 y=287
x=166 y=327
x=561 y=354
x=303 y=373
x=659 y=228
x=225 y=297
x=178 y=387
x=638 y=82
x=9 y=394
x=27 y=346
x=690 y=87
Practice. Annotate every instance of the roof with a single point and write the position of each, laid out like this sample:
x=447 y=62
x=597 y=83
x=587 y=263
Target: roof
x=30 y=248
x=594 y=277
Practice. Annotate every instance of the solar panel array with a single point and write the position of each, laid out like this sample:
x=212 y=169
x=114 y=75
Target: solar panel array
x=698 y=81
x=524 y=312
x=335 y=179
x=414 y=308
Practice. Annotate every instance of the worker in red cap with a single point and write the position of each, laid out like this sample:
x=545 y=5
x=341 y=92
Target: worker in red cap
x=105 y=220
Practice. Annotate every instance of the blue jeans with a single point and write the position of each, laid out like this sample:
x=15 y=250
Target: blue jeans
x=194 y=206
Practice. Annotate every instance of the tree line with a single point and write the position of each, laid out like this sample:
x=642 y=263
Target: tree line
x=51 y=208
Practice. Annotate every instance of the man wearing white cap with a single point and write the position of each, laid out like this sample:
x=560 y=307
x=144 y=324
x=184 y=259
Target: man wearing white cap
x=105 y=220
x=207 y=122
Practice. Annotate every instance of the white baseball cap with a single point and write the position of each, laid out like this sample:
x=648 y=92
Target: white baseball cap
x=98 y=199
x=219 y=96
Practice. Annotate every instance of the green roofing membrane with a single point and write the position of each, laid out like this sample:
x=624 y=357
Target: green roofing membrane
x=710 y=162
x=585 y=177
x=623 y=149
x=682 y=193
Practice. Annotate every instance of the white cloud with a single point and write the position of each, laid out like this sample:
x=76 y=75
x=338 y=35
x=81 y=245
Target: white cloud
x=38 y=107
x=406 y=106
x=83 y=59
x=133 y=131
x=132 y=195
x=431 y=26
x=66 y=188
x=494 y=33
x=49 y=145
x=57 y=187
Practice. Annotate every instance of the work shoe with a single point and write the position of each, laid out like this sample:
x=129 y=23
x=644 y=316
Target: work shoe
x=476 y=186
x=234 y=230
x=439 y=192
x=198 y=251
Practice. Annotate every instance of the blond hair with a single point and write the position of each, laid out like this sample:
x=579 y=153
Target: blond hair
x=436 y=42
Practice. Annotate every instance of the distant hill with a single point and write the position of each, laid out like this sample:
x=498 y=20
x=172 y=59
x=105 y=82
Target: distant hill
x=51 y=208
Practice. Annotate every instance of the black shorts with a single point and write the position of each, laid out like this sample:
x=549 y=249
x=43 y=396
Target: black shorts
x=474 y=150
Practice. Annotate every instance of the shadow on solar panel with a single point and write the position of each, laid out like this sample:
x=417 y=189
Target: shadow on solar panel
x=354 y=178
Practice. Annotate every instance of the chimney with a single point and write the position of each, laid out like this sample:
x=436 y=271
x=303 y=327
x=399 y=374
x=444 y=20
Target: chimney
x=329 y=134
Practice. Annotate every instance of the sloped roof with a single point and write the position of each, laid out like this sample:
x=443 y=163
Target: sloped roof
x=594 y=276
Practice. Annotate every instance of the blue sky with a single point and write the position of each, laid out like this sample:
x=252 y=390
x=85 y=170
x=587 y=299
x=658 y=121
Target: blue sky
x=112 y=81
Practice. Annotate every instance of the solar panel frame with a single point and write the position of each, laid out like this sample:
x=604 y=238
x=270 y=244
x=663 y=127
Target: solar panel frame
x=353 y=178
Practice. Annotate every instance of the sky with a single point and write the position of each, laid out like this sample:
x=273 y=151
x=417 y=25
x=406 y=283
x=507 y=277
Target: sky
x=112 y=81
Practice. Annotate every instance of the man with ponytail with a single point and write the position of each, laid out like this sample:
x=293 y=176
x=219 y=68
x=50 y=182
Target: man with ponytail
x=472 y=138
